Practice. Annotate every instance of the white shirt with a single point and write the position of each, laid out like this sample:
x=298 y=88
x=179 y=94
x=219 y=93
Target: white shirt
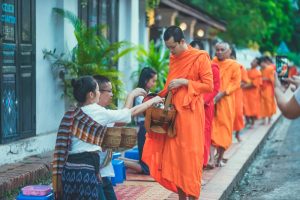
x=137 y=101
x=297 y=96
x=104 y=117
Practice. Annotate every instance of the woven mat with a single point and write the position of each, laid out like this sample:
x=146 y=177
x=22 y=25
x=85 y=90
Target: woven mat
x=138 y=177
x=126 y=192
x=137 y=190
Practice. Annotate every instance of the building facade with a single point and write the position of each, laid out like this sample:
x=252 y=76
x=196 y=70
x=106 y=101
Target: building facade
x=31 y=97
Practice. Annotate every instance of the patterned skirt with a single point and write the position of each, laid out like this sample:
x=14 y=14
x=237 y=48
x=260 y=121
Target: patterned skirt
x=80 y=182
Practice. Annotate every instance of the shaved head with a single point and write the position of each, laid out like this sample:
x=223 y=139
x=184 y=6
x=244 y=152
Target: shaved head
x=222 y=50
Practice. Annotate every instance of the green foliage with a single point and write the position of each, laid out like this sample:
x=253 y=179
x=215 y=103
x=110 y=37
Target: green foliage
x=152 y=4
x=158 y=59
x=93 y=54
x=266 y=23
x=294 y=57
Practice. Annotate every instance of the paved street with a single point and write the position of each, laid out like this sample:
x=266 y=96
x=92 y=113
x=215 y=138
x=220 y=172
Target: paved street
x=275 y=173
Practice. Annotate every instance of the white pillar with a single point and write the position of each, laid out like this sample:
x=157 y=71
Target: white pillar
x=128 y=31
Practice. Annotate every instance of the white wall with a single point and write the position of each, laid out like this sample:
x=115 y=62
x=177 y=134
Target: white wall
x=51 y=32
x=49 y=35
x=129 y=30
x=245 y=56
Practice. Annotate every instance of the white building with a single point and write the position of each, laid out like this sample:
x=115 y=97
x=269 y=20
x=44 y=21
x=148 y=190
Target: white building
x=31 y=98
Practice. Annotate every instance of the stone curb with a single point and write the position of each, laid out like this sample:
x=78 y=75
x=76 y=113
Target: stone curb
x=224 y=181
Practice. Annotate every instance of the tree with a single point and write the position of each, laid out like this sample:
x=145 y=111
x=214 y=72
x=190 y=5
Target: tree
x=266 y=23
x=93 y=54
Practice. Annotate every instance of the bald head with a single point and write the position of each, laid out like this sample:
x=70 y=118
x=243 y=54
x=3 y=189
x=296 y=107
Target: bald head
x=222 y=50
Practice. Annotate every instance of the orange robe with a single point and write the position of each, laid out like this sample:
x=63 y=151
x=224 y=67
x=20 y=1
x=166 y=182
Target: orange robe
x=238 y=123
x=268 y=105
x=177 y=162
x=230 y=74
x=209 y=108
x=252 y=95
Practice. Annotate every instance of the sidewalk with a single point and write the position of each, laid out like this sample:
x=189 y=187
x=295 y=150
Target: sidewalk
x=219 y=181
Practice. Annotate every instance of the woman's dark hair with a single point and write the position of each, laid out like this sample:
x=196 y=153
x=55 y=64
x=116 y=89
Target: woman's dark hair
x=146 y=74
x=82 y=86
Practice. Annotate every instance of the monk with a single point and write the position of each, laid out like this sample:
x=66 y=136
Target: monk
x=268 y=105
x=230 y=74
x=269 y=61
x=208 y=107
x=176 y=163
x=238 y=123
x=251 y=93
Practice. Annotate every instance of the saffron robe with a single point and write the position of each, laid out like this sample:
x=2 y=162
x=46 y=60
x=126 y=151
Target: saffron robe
x=230 y=75
x=209 y=111
x=238 y=123
x=268 y=105
x=177 y=162
x=252 y=95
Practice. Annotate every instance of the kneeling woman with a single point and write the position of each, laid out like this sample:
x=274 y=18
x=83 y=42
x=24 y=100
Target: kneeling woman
x=76 y=159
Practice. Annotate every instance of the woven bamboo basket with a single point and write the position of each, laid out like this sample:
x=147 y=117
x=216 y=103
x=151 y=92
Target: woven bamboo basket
x=128 y=137
x=112 y=138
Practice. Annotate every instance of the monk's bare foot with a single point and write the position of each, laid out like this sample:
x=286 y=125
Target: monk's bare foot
x=220 y=164
x=209 y=166
x=224 y=160
x=238 y=138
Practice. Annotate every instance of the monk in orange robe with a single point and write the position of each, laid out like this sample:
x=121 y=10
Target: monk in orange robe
x=176 y=163
x=268 y=105
x=230 y=74
x=251 y=93
x=208 y=107
x=238 y=123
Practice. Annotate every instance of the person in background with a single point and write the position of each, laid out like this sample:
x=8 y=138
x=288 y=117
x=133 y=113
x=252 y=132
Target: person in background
x=197 y=44
x=268 y=104
x=252 y=94
x=209 y=108
x=289 y=108
x=230 y=74
x=147 y=81
x=238 y=123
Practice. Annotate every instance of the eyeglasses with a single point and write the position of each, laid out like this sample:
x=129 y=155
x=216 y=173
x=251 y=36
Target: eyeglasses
x=109 y=91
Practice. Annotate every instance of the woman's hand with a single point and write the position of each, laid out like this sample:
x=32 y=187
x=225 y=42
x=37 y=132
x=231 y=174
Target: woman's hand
x=156 y=99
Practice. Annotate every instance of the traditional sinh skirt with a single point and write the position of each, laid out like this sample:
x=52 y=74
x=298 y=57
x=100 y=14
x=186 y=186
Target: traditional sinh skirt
x=80 y=181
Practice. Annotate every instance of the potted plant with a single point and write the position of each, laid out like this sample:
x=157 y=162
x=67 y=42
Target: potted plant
x=93 y=54
x=157 y=58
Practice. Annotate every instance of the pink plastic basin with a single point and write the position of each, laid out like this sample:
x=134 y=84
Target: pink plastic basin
x=36 y=190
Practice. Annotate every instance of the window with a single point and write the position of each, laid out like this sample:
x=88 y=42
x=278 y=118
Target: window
x=105 y=12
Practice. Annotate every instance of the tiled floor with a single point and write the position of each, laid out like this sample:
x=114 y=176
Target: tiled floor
x=208 y=192
x=141 y=187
